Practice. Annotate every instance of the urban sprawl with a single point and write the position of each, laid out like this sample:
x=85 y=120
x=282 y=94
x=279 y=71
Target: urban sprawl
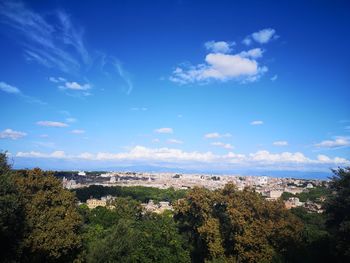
x=271 y=188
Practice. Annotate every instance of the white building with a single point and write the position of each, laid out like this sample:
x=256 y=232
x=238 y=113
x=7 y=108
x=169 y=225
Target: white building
x=81 y=173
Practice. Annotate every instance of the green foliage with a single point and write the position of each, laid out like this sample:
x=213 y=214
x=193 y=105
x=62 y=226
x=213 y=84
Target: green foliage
x=51 y=218
x=41 y=222
x=314 y=246
x=140 y=193
x=236 y=226
x=338 y=212
x=154 y=238
x=11 y=215
x=314 y=194
x=285 y=196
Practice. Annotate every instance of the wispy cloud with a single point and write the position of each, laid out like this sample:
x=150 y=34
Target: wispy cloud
x=10 y=89
x=57 y=80
x=174 y=141
x=75 y=86
x=54 y=41
x=164 y=130
x=280 y=143
x=11 y=134
x=258 y=122
x=78 y=131
x=339 y=141
x=52 y=124
x=47 y=43
x=215 y=135
x=222 y=145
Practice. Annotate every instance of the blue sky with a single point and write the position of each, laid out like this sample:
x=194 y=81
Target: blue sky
x=209 y=85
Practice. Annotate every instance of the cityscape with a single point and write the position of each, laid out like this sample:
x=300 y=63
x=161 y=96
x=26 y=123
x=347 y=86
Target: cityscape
x=178 y=131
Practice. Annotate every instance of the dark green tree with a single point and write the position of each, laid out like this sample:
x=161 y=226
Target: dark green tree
x=338 y=212
x=11 y=213
x=153 y=238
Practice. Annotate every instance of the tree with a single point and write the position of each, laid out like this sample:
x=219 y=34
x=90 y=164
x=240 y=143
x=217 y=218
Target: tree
x=338 y=212
x=151 y=239
x=51 y=218
x=236 y=226
x=11 y=215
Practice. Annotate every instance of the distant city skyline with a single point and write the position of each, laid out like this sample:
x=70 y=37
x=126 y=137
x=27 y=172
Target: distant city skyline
x=224 y=86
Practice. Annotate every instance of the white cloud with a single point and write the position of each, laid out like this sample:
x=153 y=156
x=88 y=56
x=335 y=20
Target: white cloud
x=78 y=131
x=44 y=136
x=156 y=140
x=215 y=135
x=219 y=46
x=257 y=123
x=262 y=37
x=252 y=53
x=171 y=155
x=285 y=157
x=34 y=154
x=164 y=130
x=75 y=86
x=280 y=143
x=11 y=134
x=220 y=67
x=222 y=145
x=52 y=124
x=174 y=141
x=57 y=80
x=338 y=141
x=9 y=88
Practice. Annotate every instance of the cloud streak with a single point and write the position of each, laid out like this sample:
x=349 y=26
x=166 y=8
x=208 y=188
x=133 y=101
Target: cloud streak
x=56 y=124
x=259 y=159
x=54 y=41
x=337 y=142
x=11 y=134
x=48 y=44
x=258 y=122
x=10 y=89
x=164 y=130
x=216 y=135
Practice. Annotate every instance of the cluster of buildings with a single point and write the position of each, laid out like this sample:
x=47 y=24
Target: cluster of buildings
x=151 y=206
x=271 y=188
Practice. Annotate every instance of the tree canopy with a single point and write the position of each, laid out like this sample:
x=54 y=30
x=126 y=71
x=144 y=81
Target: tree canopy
x=236 y=226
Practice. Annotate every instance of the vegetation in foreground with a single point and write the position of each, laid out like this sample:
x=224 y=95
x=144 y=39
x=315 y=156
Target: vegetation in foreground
x=41 y=222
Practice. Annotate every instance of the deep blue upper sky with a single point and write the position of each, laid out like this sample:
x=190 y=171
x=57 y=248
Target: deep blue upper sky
x=209 y=85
